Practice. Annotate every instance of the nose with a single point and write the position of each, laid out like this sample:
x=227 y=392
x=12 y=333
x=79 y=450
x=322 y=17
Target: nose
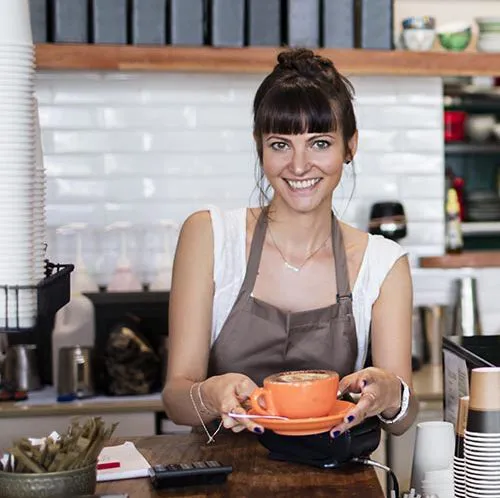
x=300 y=163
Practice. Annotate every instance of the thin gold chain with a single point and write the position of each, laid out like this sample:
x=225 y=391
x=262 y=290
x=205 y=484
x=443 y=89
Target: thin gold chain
x=211 y=437
x=289 y=265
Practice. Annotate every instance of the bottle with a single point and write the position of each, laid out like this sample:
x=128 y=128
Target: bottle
x=74 y=323
x=454 y=240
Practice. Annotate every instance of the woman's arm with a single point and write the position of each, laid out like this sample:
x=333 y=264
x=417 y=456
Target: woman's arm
x=391 y=338
x=189 y=342
x=190 y=318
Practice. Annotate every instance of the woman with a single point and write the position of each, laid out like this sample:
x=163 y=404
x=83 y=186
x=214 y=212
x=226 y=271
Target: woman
x=262 y=290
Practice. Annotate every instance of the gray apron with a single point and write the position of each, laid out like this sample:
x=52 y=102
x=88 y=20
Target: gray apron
x=259 y=339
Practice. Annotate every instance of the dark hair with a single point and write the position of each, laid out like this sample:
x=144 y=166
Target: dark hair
x=303 y=94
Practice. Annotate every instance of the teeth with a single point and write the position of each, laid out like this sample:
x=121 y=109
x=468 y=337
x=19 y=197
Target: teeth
x=301 y=184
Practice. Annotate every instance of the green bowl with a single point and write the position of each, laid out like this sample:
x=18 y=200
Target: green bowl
x=455 y=41
x=50 y=485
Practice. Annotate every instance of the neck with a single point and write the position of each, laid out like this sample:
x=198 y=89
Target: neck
x=299 y=233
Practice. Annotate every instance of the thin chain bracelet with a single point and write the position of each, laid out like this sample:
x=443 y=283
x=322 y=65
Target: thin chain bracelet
x=211 y=437
x=203 y=406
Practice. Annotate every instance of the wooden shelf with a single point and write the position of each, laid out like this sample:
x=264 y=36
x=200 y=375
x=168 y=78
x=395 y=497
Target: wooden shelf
x=484 y=259
x=481 y=228
x=258 y=60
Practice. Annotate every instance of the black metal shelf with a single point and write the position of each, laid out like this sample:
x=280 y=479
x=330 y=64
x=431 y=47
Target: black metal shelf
x=472 y=148
x=53 y=292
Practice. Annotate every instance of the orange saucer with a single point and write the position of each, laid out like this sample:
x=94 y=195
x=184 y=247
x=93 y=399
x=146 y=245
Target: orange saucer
x=306 y=426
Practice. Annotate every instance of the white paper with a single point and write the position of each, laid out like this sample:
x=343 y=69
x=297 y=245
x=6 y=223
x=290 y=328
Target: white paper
x=456 y=384
x=132 y=463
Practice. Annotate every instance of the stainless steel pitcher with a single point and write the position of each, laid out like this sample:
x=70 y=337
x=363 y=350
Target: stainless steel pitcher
x=76 y=371
x=20 y=367
x=466 y=319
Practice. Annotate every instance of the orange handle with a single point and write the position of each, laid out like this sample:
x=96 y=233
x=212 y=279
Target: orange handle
x=255 y=398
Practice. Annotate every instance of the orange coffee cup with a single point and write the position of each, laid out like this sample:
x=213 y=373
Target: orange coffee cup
x=297 y=394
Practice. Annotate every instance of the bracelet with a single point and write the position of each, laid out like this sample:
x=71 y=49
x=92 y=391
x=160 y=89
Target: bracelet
x=405 y=402
x=211 y=437
x=204 y=408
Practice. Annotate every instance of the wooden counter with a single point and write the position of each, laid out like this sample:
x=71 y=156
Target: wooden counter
x=427 y=383
x=254 y=474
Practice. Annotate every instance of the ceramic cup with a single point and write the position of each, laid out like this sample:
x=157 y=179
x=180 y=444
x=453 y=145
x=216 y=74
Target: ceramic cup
x=297 y=394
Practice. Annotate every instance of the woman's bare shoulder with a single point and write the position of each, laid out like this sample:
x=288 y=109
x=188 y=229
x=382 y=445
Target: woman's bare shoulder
x=355 y=240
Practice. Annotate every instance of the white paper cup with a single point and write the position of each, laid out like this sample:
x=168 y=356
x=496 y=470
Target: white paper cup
x=15 y=23
x=429 y=436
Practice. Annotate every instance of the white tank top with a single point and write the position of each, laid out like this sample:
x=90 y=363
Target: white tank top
x=229 y=230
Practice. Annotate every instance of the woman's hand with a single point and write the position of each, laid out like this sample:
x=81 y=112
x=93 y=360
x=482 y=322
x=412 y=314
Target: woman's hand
x=380 y=394
x=227 y=393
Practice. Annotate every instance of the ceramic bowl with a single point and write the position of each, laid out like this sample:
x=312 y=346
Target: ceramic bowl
x=455 y=36
x=418 y=40
x=488 y=24
x=50 y=485
x=480 y=127
x=419 y=22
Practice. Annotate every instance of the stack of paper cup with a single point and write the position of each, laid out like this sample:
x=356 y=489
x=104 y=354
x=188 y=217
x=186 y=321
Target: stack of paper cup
x=459 y=460
x=482 y=437
x=39 y=221
x=433 y=452
x=17 y=166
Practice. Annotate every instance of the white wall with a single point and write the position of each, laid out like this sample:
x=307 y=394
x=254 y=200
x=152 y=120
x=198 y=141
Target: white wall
x=141 y=147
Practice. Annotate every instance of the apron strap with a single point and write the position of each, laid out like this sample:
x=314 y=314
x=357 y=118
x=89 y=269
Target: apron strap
x=253 y=263
x=259 y=235
x=341 y=270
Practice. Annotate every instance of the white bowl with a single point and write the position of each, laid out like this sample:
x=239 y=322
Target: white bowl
x=480 y=127
x=418 y=40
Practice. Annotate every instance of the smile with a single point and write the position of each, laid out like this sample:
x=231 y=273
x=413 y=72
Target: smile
x=303 y=184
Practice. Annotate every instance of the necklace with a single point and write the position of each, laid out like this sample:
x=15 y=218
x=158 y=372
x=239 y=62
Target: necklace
x=288 y=265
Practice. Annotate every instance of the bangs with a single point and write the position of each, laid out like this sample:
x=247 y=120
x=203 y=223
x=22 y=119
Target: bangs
x=295 y=110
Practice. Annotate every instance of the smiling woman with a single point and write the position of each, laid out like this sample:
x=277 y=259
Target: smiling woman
x=287 y=286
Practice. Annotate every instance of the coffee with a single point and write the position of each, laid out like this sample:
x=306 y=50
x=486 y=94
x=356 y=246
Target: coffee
x=297 y=394
x=306 y=376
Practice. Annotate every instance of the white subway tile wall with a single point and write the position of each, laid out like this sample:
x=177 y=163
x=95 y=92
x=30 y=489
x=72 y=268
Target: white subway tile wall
x=145 y=146
x=142 y=147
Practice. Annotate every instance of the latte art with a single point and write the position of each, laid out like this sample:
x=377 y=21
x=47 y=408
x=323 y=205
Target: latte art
x=301 y=376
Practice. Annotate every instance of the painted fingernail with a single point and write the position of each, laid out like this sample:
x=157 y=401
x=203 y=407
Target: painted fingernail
x=335 y=434
x=350 y=418
x=258 y=430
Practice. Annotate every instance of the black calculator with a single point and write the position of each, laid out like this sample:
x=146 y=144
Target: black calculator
x=177 y=475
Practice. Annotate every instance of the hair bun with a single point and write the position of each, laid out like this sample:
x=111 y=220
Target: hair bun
x=305 y=62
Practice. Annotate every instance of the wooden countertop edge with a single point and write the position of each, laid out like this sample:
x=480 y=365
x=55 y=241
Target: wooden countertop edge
x=9 y=409
x=427 y=383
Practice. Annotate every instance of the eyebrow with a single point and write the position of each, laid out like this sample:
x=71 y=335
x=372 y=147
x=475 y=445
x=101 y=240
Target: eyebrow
x=314 y=137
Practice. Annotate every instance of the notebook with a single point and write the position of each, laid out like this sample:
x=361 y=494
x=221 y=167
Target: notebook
x=132 y=463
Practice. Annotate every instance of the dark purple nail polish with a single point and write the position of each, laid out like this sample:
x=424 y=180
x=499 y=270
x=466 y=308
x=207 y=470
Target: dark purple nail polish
x=258 y=430
x=350 y=418
x=335 y=434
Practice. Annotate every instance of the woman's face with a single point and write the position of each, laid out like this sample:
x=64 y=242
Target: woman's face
x=305 y=169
